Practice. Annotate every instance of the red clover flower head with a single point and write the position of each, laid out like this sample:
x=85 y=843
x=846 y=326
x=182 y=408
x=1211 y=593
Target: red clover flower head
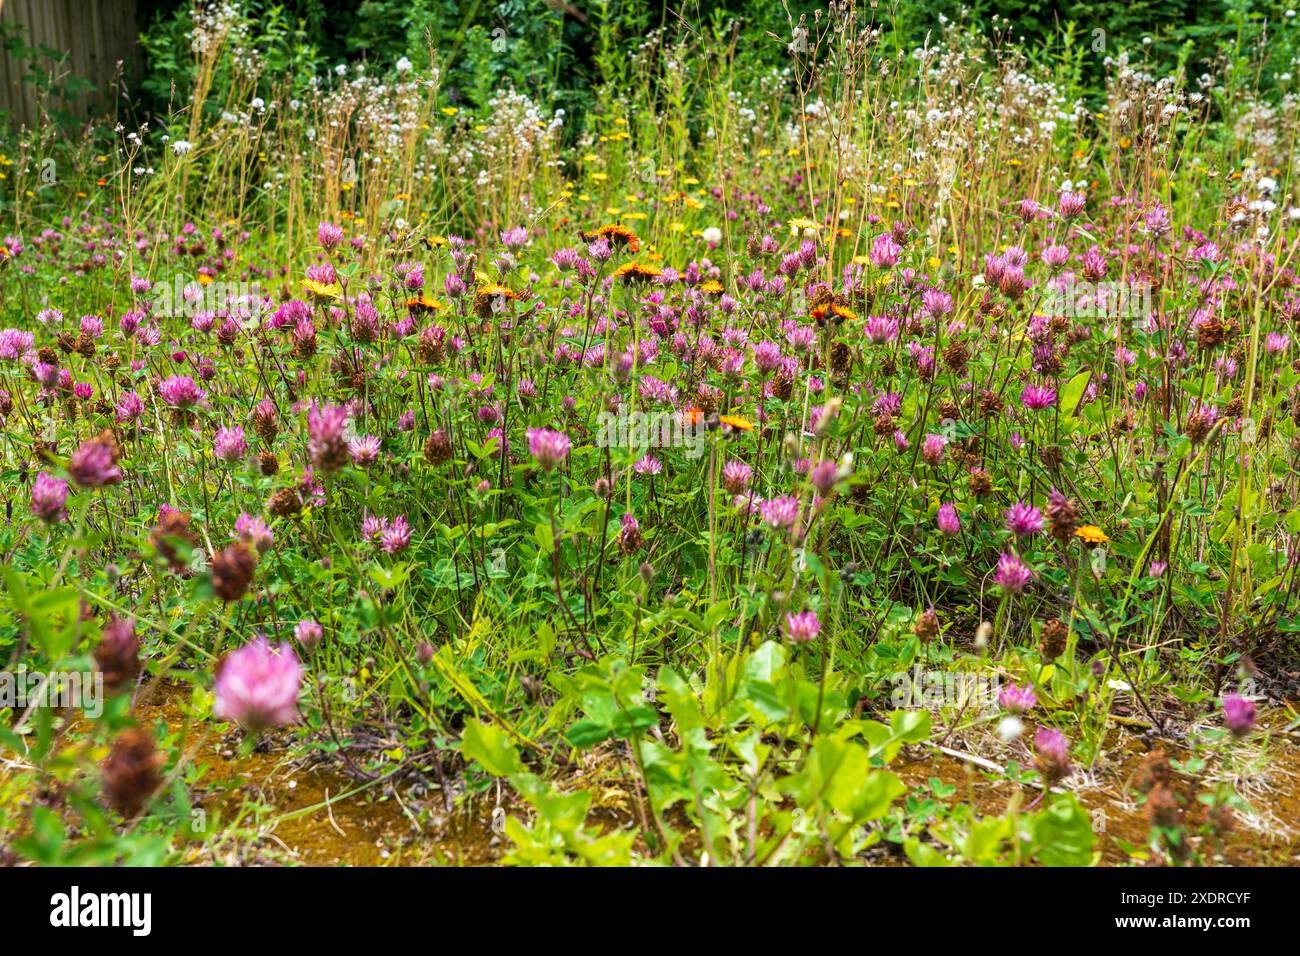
x=802 y=627
x=257 y=686
x=1013 y=575
x=549 y=447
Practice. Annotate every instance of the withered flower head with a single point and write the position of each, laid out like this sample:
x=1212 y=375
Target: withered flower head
x=979 y=482
x=1199 y=424
x=927 y=626
x=437 y=449
x=1062 y=517
x=131 y=772
x=232 y=571
x=173 y=528
x=284 y=502
x=117 y=654
x=1162 y=807
x=1053 y=639
x=1154 y=771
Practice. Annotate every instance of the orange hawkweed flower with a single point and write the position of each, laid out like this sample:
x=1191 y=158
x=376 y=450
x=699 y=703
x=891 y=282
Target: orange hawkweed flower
x=619 y=236
x=488 y=296
x=424 y=303
x=637 y=272
x=736 y=423
x=828 y=309
x=1091 y=534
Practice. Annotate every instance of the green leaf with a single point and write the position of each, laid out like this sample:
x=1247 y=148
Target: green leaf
x=491 y=747
x=1072 y=394
x=1062 y=834
x=910 y=726
x=587 y=733
x=545 y=537
x=922 y=854
x=680 y=700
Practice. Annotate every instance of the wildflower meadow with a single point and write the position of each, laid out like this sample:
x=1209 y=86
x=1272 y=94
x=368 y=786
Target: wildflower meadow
x=591 y=435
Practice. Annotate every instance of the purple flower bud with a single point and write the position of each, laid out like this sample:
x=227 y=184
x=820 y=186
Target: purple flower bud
x=308 y=633
x=49 y=498
x=1239 y=714
x=948 y=519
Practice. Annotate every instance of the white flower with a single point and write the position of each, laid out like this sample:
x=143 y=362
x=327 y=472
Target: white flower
x=403 y=65
x=259 y=103
x=181 y=147
x=712 y=235
x=1010 y=727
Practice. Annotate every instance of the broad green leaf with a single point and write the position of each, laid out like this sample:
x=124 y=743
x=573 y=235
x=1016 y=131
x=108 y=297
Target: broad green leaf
x=491 y=747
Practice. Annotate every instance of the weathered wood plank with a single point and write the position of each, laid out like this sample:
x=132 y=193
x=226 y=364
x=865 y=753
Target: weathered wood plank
x=96 y=34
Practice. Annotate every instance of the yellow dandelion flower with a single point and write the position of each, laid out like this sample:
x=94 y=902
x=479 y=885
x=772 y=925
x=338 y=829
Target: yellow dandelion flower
x=322 y=290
